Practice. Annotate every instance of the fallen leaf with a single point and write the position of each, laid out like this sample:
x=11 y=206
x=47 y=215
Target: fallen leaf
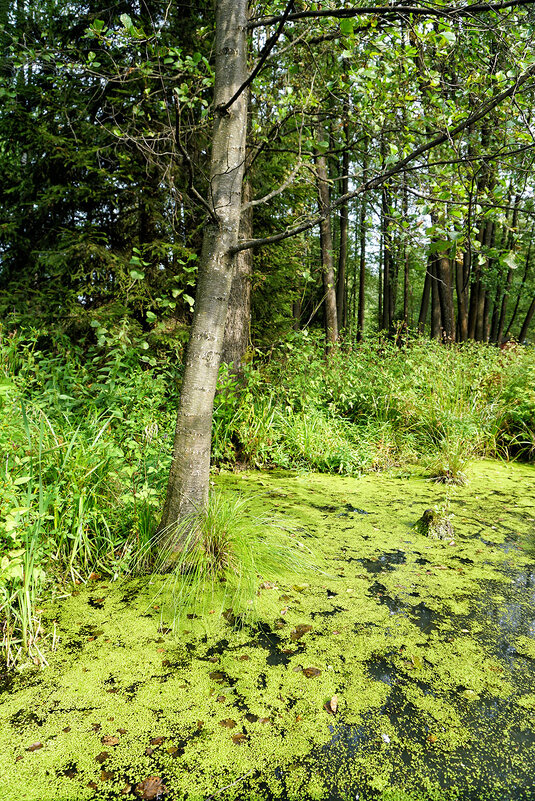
x=106 y=775
x=244 y=657
x=172 y=749
x=218 y=676
x=238 y=739
x=92 y=785
x=250 y=718
x=264 y=720
x=126 y=789
x=432 y=738
x=228 y=723
x=150 y=788
x=221 y=699
x=213 y=659
x=102 y=757
x=67 y=729
x=34 y=747
x=157 y=740
x=310 y=672
x=300 y=631
x=121 y=731
x=332 y=705
x=109 y=739
x=94 y=576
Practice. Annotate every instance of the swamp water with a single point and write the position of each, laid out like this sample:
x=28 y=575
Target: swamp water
x=403 y=670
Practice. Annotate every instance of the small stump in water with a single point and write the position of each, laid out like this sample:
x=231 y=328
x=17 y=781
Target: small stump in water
x=435 y=524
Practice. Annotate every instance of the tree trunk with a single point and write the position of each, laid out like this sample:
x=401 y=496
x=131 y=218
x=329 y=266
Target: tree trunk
x=462 y=276
x=236 y=339
x=326 y=239
x=445 y=293
x=341 y=296
x=525 y=325
x=424 y=304
x=189 y=477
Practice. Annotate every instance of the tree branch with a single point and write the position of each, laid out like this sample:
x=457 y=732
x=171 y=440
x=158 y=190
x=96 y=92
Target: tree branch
x=373 y=183
x=381 y=11
x=266 y=50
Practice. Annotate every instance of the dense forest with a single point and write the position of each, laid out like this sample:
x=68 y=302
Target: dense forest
x=307 y=227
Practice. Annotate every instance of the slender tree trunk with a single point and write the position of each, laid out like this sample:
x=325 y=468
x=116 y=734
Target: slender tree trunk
x=436 y=315
x=525 y=325
x=445 y=293
x=424 y=304
x=462 y=276
x=236 y=339
x=326 y=239
x=190 y=470
x=341 y=306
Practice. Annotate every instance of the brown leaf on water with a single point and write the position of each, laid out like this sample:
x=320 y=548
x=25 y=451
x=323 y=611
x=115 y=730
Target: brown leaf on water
x=244 y=658
x=67 y=729
x=172 y=749
x=150 y=788
x=157 y=740
x=332 y=706
x=300 y=631
x=109 y=739
x=121 y=731
x=34 y=747
x=96 y=726
x=148 y=751
x=218 y=676
x=431 y=738
x=264 y=720
x=126 y=789
x=106 y=775
x=251 y=718
x=221 y=699
x=165 y=630
x=213 y=659
x=238 y=739
x=228 y=723
x=310 y=672
x=102 y=757
x=92 y=785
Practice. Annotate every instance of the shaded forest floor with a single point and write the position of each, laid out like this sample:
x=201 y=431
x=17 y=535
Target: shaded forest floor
x=401 y=669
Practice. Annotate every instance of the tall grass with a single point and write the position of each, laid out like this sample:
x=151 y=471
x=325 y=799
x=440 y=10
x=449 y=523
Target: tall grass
x=86 y=438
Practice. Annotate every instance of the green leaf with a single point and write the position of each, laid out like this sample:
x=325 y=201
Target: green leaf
x=137 y=275
x=151 y=317
x=436 y=247
x=346 y=26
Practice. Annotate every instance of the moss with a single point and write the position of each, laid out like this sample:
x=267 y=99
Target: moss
x=404 y=631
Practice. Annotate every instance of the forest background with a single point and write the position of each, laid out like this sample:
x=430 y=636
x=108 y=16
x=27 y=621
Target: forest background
x=381 y=250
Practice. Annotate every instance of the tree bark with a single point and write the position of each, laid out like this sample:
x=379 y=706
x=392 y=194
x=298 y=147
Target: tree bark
x=326 y=239
x=236 y=339
x=527 y=321
x=189 y=477
x=341 y=297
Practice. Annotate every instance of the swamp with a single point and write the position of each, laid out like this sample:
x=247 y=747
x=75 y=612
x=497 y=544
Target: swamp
x=402 y=668
x=267 y=400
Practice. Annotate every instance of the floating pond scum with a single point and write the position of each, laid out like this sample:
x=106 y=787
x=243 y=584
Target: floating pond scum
x=402 y=670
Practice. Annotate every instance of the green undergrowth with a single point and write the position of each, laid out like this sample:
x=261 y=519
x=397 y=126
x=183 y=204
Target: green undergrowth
x=378 y=404
x=86 y=438
x=423 y=649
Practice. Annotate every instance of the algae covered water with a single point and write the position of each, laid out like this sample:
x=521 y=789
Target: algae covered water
x=401 y=669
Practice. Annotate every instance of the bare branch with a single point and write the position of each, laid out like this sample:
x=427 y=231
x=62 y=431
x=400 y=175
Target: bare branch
x=275 y=192
x=424 y=11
